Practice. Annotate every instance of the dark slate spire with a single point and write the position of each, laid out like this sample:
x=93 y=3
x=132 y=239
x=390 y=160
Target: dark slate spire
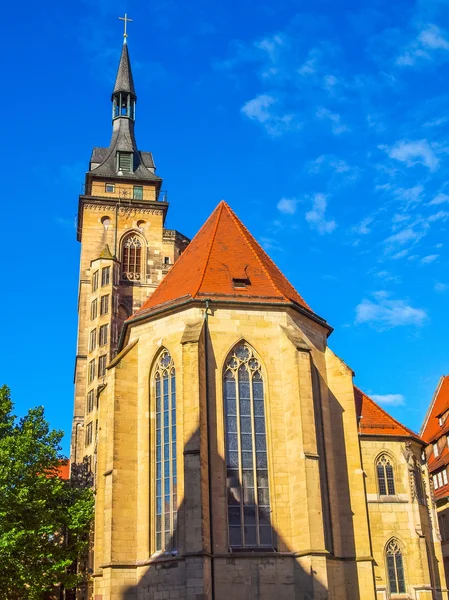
x=124 y=80
x=122 y=158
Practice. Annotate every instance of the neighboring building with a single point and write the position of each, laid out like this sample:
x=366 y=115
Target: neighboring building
x=435 y=431
x=232 y=456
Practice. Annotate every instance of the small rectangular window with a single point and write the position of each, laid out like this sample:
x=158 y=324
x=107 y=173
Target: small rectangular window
x=103 y=337
x=88 y=434
x=109 y=188
x=90 y=401
x=138 y=192
x=91 y=374
x=95 y=281
x=93 y=309
x=240 y=283
x=435 y=482
x=104 y=305
x=87 y=461
x=102 y=365
x=435 y=450
x=92 y=340
x=166 y=260
x=445 y=477
x=125 y=162
x=440 y=479
x=105 y=276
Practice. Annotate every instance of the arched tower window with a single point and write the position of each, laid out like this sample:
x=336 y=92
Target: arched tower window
x=395 y=568
x=246 y=450
x=166 y=479
x=132 y=257
x=385 y=476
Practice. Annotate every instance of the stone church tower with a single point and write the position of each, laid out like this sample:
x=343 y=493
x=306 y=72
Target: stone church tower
x=232 y=456
x=125 y=253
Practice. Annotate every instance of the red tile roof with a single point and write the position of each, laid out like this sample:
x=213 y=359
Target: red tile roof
x=441 y=492
x=64 y=469
x=224 y=251
x=431 y=429
x=374 y=420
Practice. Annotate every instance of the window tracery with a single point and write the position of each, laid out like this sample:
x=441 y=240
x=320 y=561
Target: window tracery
x=395 y=568
x=385 y=476
x=248 y=492
x=166 y=477
x=132 y=258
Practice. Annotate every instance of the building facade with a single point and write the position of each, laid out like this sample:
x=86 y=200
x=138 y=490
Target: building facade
x=435 y=431
x=231 y=454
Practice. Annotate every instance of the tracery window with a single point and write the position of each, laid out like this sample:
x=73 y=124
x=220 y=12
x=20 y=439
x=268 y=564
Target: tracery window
x=246 y=450
x=395 y=568
x=385 y=476
x=132 y=258
x=166 y=478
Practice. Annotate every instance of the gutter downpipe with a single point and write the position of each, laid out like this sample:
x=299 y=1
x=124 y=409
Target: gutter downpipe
x=209 y=453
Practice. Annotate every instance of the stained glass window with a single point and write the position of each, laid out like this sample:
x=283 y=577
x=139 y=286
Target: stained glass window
x=385 y=476
x=246 y=450
x=131 y=258
x=166 y=479
x=395 y=568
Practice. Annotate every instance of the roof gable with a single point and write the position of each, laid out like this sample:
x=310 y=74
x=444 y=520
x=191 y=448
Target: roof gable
x=431 y=429
x=224 y=261
x=374 y=420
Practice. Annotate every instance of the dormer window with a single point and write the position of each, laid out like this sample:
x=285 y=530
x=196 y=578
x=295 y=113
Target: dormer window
x=240 y=284
x=124 y=162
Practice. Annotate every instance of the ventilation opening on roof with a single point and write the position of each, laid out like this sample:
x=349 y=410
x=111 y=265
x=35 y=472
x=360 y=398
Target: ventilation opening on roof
x=240 y=283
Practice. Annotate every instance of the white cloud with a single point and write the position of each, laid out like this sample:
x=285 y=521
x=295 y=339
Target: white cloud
x=429 y=259
x=389 y=399
x=410 y=195
x=424 y=47
x=441 y=215
x=287 y=206
x=413 y=152
x=337 y=126
x=263 y=109
x=316 y=216
x=363 y=227
x=386 y=313
x=403 y=237
x=441 y=287
x=439 y=199
x=433 y=38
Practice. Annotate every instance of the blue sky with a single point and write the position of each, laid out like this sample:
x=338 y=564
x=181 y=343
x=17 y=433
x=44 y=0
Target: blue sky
x=326 y=129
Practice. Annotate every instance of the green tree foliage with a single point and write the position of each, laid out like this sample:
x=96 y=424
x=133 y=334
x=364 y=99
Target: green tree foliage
x=44 y=520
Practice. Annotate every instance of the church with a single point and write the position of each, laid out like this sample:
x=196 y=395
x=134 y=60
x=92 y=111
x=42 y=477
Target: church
x=231 y=454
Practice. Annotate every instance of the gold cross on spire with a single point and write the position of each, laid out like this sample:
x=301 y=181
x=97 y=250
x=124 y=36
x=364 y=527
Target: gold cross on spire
x=127 y=20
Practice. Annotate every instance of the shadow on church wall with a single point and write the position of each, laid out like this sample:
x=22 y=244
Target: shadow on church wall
x=279 y=573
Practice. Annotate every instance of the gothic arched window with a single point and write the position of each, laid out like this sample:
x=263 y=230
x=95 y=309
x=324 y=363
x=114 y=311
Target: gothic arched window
x=166 y=479
x=385 y=476
x=132 y=257
x=246 y=450
x=395 y=568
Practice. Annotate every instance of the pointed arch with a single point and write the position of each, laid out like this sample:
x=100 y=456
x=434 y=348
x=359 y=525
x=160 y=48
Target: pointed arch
x=132 y=255
x=385 y=475
x=248 y=493
x=165 y=491
x=394 y=561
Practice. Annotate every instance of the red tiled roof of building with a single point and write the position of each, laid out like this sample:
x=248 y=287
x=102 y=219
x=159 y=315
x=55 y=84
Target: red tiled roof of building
x=224 y=262
x=64 y=469
x=431 y=429
x=441 y=492
x=374 y=420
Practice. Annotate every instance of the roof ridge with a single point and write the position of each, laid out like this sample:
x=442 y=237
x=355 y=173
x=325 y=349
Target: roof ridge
x=246 y=233
x=432 y=404
x=387 y=413
x=214 y=233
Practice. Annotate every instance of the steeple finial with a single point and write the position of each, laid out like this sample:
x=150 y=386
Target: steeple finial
x=126 y=20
